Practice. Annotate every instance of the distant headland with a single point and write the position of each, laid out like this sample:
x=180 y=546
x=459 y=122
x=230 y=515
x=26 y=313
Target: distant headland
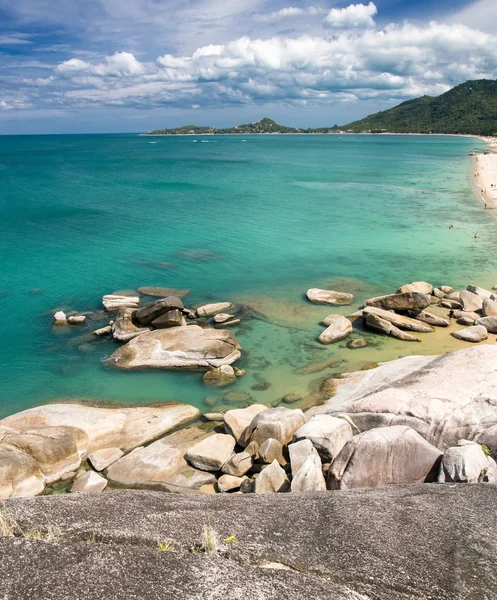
x=468 y=109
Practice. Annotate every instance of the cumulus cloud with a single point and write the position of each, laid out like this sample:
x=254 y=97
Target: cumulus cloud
x=290 y=11
x=396 y=62
x=355 y=15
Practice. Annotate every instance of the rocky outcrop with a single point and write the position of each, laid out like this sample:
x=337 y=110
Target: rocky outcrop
x=318 y=296
x=405 y=301
x=467 y=463
x=153 y=311
x=384 y=456
x=378 y=324
x=300 y=452
x=162 y=465
x=190 y=347
x=339 y=327
x=124 y=428
x=471 y=302
x=238 y=464
x=444 y=398
x=398 y=320
x=172 y=318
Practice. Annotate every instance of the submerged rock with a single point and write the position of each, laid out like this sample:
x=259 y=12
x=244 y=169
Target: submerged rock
x=163 y=292
x=103 y=331
x=220 y=376
x=188 y=347
x=357 y=343
x=223 y=317
x=318 y=296
x=384 y=456
x=339 y=328
x=76 y=319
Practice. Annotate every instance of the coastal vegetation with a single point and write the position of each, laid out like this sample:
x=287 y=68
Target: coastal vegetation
x=469 y=108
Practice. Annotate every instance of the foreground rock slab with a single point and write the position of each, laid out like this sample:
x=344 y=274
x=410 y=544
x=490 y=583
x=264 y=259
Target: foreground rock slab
x=383 y=545
x=189 y=347
x=124 y=428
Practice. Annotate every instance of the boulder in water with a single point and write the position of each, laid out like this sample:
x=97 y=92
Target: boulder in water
x=339 y=327
x=318 y=296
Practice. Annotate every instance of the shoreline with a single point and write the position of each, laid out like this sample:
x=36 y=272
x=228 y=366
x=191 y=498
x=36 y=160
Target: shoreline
x=484 y=174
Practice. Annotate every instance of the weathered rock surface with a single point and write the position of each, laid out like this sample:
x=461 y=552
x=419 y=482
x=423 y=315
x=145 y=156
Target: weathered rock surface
x=19 y=474
x=384 y=456
x=162 y=465
x=103 y=330
x=113 y=302
x=479 y=291
x=123 y=428
x=60 y=318
x=444 y=398
x=278 y=423
x=236 y=421
x=229 y=483
x=417 y=286
x=56 y=450
x=272 y=480
x=405 y=301
x=211 y=453
x=172 y=318
x=357 y=343
x=398 y=320
x=309 y=478
x=383 y=546
x=378 y=324
x=489 y=323
x=465 y=321
x=88 y=482
x=76 y=319
x=270 y=450
x=318 y=296
x=124 y=329
x=471 y=302
x=430 y=318
x=101 y=459
x=144 y=316
x=489 y=308
x=299 y=452
x=188 y=347
x=238 y=464
x=467 y=463
x=339 y=327
x=475 y=333
x=328 y=435
x=220 y=376
x=209 y=310
x=458 y=314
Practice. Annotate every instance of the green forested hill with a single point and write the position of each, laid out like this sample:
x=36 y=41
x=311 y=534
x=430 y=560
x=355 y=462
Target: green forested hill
x=468 y=108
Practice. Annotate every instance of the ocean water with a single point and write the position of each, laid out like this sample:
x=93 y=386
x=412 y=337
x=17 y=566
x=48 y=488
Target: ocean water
x=256 y=219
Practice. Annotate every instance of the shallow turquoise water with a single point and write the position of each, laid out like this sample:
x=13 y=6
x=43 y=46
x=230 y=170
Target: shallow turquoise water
x=261 y=217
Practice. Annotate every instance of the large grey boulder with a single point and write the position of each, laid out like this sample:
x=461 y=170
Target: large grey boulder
x=444 y=398
x=211 y=453
x=467 y=463
x=398 y=320
x=88 y=482
x=299 y=452
x=416 y=286
x=190 y=347
x=237 y=420
x=149 y=313
x=272 y=480
x=318 y=296
x=404 y=301
x=162 y=465
x=209 y=310
x=123 y=329
x=124 y=428
x=339 y=327
x=471 y=302
x=309 y=478
x=328 y=434
x=490 y=324
x=278 y=423
x=475 y=333
x=383 y=326
x=20 y=474
x=384 y=456
x=56 y=450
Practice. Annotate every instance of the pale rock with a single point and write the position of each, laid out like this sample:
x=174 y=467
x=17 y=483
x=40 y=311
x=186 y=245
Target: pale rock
x=489 y=308
x=113 y=302
x=465 y=321
x=327 y=434
x=458 y=314
x=300 y=452
x=229 y=483
x=476 y=333
x=452 y=304
x=357 y=343
x=270 y=450
x=253 y=450
x=309 y=478
x=211 y=454
x=209 y=310
x=103 y=330
x=417 y=286
x=378 y=324
x=279 y=423
x=471 y=302
x=123 y=329
x=384 y=456
x=490 y=323
x=238 y=464
x=430 y=318
x=438 y=293
x=231 y=323
x=466 y=463
x=446 y=289
x=101 y=459
x=162 y=466
x=220 y=377
x=318 y=296
x=479 y=291
x=123 y=428
x=214 y=416
x=60 y=318
x=222 y=317
x=88 y=482
x=20 y=475
x=398 y=320
x=76 y=319
x=177 y=348
x=339 y=327
x=237 y=420
x=272 y=480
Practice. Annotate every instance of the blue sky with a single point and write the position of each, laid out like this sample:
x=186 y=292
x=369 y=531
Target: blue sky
x=134 y=65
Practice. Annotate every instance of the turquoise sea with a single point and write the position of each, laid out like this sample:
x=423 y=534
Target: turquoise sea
x=256 y=219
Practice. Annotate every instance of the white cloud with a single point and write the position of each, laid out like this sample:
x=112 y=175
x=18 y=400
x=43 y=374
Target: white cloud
x=4 y=105
x=290 y=11
x=119 y=64
x=355 y=15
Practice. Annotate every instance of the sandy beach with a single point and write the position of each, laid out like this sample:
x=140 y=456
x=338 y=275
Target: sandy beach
x=485 y=174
